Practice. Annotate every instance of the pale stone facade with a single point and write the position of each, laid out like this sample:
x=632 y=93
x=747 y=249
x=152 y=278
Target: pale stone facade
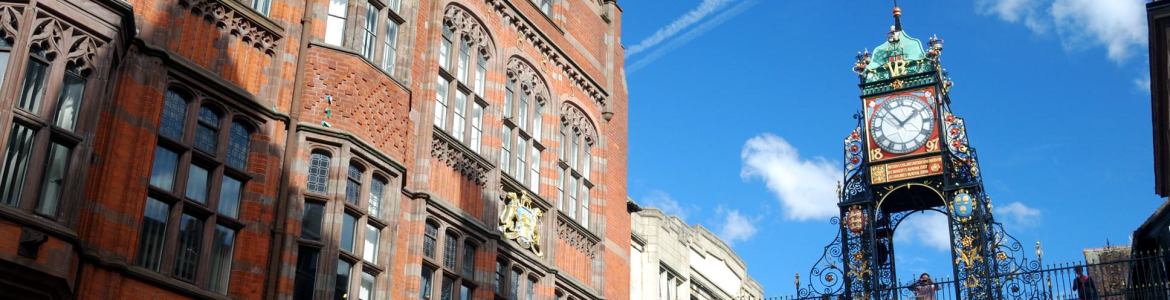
x=671 y=260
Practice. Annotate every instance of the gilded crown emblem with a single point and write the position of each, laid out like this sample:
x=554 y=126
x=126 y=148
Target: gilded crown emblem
x=520 y=222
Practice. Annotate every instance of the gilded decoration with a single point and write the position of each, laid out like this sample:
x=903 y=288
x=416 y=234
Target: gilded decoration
x=237 y=23
x=968 y=257
x=520 y=222
x=855 y=219
x=853 y=152
x=963 y=206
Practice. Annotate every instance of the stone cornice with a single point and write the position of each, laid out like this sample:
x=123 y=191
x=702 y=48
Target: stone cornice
x=240 y=21
x=551 y=52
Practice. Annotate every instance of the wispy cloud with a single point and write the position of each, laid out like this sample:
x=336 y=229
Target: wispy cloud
x=806 y=188
x=929 y=229
x=1019 y=214
x=664 y=202
x=1117 y=25
x=1142 y=83
x=658 y=51
x=735 y=227
x=682 y=22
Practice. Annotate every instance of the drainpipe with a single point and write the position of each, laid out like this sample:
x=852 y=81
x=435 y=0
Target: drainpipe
x=276 y=265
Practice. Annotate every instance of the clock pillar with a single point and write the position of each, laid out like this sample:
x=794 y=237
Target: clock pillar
x=909 y=153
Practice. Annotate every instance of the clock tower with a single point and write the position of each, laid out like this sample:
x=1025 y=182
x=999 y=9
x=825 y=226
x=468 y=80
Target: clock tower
x=908 y=154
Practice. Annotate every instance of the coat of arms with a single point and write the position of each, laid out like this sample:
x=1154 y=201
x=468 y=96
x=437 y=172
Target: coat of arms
x=963 y=206
x=520 y=222
x=855 y=219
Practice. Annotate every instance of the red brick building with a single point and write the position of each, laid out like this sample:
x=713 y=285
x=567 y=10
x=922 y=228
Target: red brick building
x=313 y=149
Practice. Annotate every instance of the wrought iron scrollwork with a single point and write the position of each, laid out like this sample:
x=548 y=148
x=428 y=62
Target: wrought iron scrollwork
x=826 y=276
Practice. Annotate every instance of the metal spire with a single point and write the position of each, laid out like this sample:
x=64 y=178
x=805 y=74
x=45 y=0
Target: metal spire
x=897 y=17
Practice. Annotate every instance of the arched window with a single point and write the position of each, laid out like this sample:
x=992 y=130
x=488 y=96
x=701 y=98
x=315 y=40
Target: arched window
x=525 y=95
x=454 y=268
x=459 y=89
x=577 y=138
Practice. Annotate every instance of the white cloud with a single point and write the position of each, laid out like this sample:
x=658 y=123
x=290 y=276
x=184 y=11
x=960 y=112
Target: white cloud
x=1014 y=11
x=1142 y=83
x=1117 y=25
x=664 y=202
x=1018 y=213
x=683 y=22
x=929 y=229
x=688 y=36
x=806 y=188
x=735 y=227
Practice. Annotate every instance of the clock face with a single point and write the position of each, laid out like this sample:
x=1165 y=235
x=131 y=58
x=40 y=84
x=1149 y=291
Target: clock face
x=902 y=124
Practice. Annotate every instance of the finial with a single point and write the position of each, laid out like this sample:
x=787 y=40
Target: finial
x=897 y=17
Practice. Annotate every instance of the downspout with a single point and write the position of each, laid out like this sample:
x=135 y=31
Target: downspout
x=276 y=264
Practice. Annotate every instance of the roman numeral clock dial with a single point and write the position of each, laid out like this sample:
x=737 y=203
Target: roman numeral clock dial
x=901 y=124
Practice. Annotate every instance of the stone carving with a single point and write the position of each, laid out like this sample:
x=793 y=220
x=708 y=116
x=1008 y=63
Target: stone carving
x=464 y=24
x=577 y=77
x=576 y=119
x=51 y=37
x=573 y=236
x=520 y=222
x=237 y=23
x=10 y=22
x=459 y=159
x=530 y=81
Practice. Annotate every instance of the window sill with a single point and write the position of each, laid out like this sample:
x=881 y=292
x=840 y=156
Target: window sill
x=171 y=283
x=254 y=28
x=458 y=156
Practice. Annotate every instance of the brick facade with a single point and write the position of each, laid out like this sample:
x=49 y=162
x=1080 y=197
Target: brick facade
x=328 y=126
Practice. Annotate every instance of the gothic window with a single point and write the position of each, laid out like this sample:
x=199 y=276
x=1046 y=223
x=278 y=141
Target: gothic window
x=195 y=187
x=460 y=98
x=525 y=95
x=355 y=238
x=573 y=181
x=454 y=267
x=46 y=126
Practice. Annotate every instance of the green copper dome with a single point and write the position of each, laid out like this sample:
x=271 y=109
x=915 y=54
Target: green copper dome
x=901 y=55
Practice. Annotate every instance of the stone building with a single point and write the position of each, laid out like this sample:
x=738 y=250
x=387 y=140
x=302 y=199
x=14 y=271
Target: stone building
x=670 y=260
x=313 y=149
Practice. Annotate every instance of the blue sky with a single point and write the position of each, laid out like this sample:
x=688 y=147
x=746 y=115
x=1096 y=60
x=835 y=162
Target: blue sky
x=738 y=109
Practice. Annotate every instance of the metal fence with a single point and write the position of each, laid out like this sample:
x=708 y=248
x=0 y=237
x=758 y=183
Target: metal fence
x=1143 y=276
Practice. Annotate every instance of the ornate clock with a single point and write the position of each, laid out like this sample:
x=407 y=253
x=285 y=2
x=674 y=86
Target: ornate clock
x=902 y=124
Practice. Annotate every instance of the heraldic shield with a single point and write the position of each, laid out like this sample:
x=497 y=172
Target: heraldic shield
x=520 y=222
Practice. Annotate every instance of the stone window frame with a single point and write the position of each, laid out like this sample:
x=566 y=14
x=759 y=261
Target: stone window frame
x=210 y=211
x=574 y=184
x=55 y=37
x=455 y=274
x=462 y=32
x=328 y=250
x=526 y=99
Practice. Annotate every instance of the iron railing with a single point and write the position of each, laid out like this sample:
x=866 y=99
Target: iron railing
x=1142 y=276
